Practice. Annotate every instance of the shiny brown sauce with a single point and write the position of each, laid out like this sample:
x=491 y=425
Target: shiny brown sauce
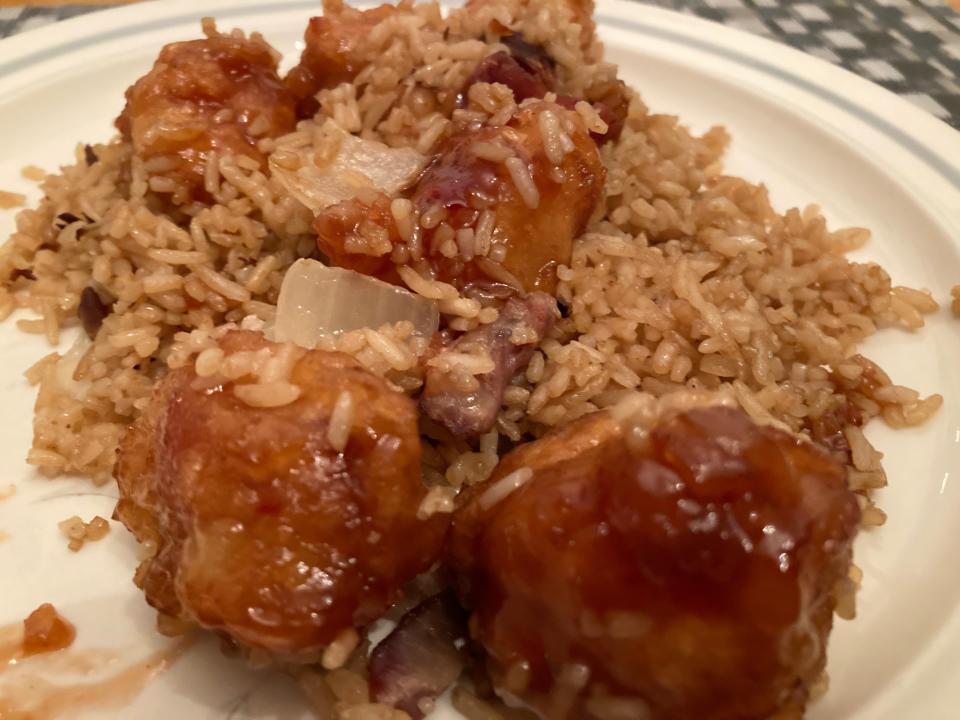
x=693 y=571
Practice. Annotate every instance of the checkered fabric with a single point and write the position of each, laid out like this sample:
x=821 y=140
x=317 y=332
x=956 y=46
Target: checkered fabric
x=911 y=47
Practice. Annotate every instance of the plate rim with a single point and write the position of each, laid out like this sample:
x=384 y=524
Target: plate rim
x=737 y=45
x=799 y=69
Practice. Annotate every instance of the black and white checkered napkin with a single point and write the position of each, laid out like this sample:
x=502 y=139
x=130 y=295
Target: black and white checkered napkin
x=911 y=47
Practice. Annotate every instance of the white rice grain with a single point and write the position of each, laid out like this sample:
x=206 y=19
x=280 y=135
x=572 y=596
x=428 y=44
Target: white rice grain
x=338 y=652
x=341 y=419
x=556 y=142
x=504 y=487
x=523 y=181
x=430 y=289
x=267 y=395
x=439 y=499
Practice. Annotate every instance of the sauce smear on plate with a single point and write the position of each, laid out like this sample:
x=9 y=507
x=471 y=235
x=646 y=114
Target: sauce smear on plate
x=44 y=636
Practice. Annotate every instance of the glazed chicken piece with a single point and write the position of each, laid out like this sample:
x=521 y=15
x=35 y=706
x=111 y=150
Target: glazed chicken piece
x=332 y=51
x=498 y=192
x=220 y=94
x=686 y=573
x=261 y=527
x=468 y=406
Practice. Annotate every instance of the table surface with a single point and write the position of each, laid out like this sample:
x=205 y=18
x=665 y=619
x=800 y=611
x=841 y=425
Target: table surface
x=911 y=47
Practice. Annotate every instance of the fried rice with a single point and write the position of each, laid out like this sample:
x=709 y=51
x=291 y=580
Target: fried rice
x=688 y=279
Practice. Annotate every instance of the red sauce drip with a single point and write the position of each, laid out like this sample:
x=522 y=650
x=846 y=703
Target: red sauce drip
x=43 y=631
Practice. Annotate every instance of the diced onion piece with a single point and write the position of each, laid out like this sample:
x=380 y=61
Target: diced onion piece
x=318 y=300
x=354 y=163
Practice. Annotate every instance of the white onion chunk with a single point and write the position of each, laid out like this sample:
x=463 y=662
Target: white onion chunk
x=317 y=300
x=357 y=164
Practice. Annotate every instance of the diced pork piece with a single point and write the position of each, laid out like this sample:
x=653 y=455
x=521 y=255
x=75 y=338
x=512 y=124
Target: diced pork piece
x=467 y=405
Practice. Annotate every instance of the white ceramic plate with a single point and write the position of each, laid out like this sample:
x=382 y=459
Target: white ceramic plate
x=813 y=132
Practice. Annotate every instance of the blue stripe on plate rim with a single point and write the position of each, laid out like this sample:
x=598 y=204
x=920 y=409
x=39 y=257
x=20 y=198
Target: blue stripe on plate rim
x=919 y=150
